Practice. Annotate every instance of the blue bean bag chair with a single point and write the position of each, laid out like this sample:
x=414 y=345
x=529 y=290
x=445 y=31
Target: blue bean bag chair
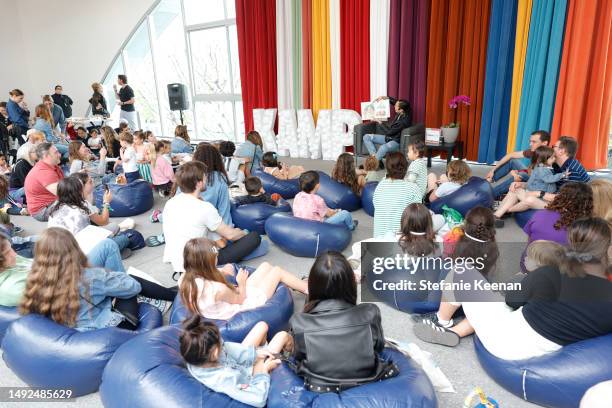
x=337 y=195
x=7 y=316
x=128 y=199
x=558 y=379
x=149 y=371
x=301 y=237
x=476 y=192
x=410 y=389
x=276 y=313
x=253 y=216
x=367 y=197
x=45 y=354
x=406 y=300
x=523 y=217
x=286 y=188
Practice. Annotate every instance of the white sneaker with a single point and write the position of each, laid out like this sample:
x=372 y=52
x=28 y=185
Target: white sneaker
x=127 y=224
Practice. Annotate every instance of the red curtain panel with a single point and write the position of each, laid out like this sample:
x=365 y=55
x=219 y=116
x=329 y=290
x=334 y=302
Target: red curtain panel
x=584 y=93
x=256 y=25
x=307 y=54
x=456 y=66
x=407 y=63
x=354 y=53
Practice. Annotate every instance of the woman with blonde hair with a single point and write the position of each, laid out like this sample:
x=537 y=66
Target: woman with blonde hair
x=65 y=288
x=181 y=141
x=205 y=290
x=602 y=199
x=97 y=101
x=44 y=123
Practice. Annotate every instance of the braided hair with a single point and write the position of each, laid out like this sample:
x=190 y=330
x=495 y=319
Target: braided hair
x=478 y=239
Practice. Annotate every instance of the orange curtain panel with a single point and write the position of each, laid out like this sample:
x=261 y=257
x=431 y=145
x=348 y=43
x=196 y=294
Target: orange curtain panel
x=584 y=93
x=456 y=66
x=306 y=54
x=321 y=57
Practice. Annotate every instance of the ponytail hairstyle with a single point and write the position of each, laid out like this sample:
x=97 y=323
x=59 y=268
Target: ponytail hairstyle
x=478 y=239
x=200 y=261
x=198 y=340
x=344 y=172
x=152 y=152
x=417 y=237
x=588 y=243
x=270 y=159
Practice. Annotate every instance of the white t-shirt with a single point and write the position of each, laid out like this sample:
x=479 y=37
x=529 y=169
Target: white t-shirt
x=186 y=217
x=129 y=162
x=447 y=188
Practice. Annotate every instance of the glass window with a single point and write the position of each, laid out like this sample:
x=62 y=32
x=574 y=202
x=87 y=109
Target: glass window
x=109 y=92
x=170 y=55
x=203 y=11
x=233 y=38
x=230 y=8
x=239 y=122
x=215 y=120
x=211 y=67
x=139 y=65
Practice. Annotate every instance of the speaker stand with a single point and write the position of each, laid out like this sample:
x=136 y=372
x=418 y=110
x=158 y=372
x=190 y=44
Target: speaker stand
x=181 y=113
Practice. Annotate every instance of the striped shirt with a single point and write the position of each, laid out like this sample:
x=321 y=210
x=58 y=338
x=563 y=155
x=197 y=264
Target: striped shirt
x=417 y=173
x=391 y=197
x=577 y=172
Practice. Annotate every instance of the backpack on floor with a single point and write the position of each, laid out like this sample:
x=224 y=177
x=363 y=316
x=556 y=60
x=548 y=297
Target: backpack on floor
x=136 y=239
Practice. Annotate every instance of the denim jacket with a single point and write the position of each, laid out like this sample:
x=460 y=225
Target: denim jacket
x=97 y=289
x=45 y=127
x=179 y=145
x=543 y=179
x=217 y=193
x=234 y=375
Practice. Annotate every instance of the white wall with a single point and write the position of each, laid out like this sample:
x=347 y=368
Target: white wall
x=70 y=42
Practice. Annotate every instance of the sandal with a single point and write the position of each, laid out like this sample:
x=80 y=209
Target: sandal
x=155 y=240
x=154 y=217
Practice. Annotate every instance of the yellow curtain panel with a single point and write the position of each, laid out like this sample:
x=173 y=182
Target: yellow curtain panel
x=520 y=52
x=321 y=57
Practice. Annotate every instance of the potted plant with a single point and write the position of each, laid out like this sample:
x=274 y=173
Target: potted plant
x=450 y=132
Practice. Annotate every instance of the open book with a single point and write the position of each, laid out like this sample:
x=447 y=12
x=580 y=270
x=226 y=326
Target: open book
x=91 y=236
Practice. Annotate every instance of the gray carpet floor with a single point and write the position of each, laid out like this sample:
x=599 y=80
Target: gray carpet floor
x=459 y=364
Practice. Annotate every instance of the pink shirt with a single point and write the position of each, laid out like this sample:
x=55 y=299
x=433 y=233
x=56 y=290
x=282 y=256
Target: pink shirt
x=162 y=173
x=309 y=206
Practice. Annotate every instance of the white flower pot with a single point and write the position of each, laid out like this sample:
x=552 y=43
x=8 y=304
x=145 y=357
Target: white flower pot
x=450 y=134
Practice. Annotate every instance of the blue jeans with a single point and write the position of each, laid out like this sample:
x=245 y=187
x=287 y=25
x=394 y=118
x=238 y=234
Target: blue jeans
x=342 y=217
x=370 y=140
x=18 y=194
x=503 y=171
x=121 y=240
x=106 y=255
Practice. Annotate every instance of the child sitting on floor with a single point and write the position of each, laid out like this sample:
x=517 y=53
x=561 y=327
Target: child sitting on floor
x=256 y=193
x=142 y=156
x=457 y=174
x=8 y=203
x=94 y=142
x=541 y=178
x=281 y=171
x=373 y=173
x=233 y=165
x=128 y=157
x=161 y=169
x=417 y=170
x=344 y=172
x=239 y=370
x=308 y=205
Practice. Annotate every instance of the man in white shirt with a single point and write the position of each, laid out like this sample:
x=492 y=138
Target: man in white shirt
x=186 y=216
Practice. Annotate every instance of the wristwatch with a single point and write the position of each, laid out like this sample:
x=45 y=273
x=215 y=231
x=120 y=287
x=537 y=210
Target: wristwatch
x=542 y=193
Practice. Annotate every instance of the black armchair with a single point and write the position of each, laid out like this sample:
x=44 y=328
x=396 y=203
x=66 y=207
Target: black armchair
x=359 y=131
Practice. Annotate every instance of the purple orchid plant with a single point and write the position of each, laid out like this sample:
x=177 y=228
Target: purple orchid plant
x=454 y=104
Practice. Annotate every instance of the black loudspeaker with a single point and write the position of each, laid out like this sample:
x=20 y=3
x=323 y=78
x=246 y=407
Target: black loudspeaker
x=177 y=97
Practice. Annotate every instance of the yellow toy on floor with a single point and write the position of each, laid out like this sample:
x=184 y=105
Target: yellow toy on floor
x=482 y=402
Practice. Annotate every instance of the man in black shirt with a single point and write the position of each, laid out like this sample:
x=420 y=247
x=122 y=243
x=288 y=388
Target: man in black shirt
x=126 y=99
x=388 y=135
x=64 y=101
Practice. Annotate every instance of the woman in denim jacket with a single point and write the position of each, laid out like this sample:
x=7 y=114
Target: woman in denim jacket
x=239 y=370
x=62 y=286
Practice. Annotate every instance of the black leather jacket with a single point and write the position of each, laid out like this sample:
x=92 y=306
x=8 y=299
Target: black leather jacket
x=337 y=340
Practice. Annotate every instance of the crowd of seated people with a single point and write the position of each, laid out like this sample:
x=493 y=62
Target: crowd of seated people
x=565 y=278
